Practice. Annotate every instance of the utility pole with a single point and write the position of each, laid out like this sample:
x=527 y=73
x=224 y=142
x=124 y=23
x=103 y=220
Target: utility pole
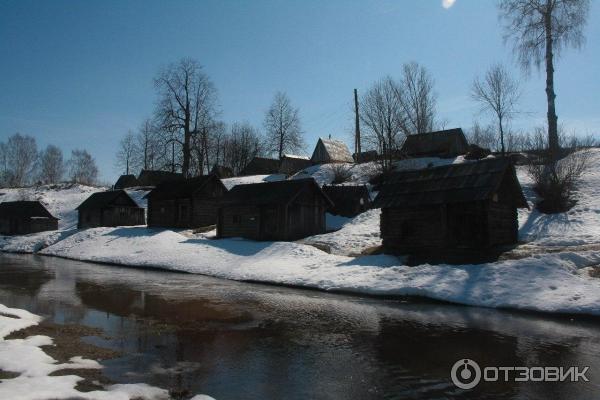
x=357 y=128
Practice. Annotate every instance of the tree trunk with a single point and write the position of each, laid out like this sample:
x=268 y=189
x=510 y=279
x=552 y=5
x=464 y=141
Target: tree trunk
x=502 y=149
x=187 y=136
x=553 y=145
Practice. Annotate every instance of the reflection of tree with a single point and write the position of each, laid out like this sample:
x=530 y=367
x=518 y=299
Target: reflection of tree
x=25 y=278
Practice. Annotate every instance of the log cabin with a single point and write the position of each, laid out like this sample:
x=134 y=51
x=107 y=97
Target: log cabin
x=444 y=144
x=23 y=217
x=126 y=181
x=471 y=205
x=260 y=166
x=188 y=203
x=110 y=208
x=154 y=178
x=291 y=164
x=282 y=210
x=331 y=151
x=348 y=200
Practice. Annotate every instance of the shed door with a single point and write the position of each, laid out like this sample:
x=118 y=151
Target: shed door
x=269 y=223
x=466 y=225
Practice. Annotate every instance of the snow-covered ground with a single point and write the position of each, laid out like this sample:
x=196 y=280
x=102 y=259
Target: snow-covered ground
x=26 y=358
x=557 y=281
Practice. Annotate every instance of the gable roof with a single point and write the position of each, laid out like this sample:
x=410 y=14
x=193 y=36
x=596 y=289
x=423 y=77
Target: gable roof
x=278 y=192
x=448 y=143
x=153 y=178
x=126 y=181
x=291 y=164
x=105 y=199
x=261 y=166
x=331 y=150
x=183 y=188
x=24 y=209
x=454 y=183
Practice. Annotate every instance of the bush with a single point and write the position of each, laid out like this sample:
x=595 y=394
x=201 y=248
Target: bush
x=341 y=173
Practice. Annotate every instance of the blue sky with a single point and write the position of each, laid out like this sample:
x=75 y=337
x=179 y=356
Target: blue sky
x=79 y=73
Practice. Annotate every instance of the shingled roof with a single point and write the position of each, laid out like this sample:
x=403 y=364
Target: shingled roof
x=455 y=183
x=25 y=209
x=153 y=178
x=261 y=166
x=290 y=164
x=446 y=143
x=105 y=199
x=331 y=150
x=183 y=188
x=278 y=192
x=126 y=181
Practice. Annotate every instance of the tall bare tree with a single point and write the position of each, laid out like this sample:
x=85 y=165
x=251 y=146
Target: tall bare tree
x=381 y=115
x=51 y=165
x=148 y=146
x=21 y=158
x=282 y=125
x=417 y=99
x=540 y=30
x=82 y=167
x=126 y=153
x=497 y=93
x=187 y=104
x=241 y=145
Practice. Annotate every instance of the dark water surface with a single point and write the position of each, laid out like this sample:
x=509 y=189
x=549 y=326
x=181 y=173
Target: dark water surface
x=236 y=340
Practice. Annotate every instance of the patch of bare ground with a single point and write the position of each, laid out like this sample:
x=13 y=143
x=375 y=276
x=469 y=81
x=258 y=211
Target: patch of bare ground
x=527 y=250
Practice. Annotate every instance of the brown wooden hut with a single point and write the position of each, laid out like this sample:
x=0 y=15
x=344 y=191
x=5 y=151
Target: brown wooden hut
x=461 y=206
x=126 y=181
x=283 y=210
x=23 y=217
x=261 y=166
x=290 y=164
x=331 y=151
x=154 y=178
x=111 y=208
x=188 y=203
x=445 y=144
x=348 y=200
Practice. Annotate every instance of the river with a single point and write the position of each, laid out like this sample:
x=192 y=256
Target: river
x=235 y=340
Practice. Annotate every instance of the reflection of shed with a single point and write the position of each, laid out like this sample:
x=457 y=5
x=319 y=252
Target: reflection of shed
x=261 y=166
x=126 y=181
x=188 y=203
x=291 y=164
x=445 y=144
x=348 y=201
x=22 y=217
x=111 y=208
x=470 y=205
x=331 y=151
x=283 y=210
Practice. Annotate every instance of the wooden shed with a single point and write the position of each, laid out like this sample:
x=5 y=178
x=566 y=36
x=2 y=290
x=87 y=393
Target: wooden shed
x=154 y=178
x=283 y=210
x=331 y=151
x=111 y=208
x=188 y=203
x=23 y=217
x=261 y=166
x=461 y=206
x=348 y=200
x=126 y=181
x=445 y=144
x=290 y=164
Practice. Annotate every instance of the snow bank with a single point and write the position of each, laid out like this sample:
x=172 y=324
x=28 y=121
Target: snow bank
x=324 y=173
x=26 y=358
x=243 y=180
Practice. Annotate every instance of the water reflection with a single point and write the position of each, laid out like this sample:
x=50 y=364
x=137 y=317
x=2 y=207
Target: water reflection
x=236 y=340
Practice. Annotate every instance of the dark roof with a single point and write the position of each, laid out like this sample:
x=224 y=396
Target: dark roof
x=222 y=171
x=292 y=164
x=340 y=192
x=183 y=188
x=278 y=192
x=261 y=166
x=455 y=183
x=153 y=178
x=450 y=142
x=126 y=181
x=24 y=209
x=366 y=156
x=105 y=199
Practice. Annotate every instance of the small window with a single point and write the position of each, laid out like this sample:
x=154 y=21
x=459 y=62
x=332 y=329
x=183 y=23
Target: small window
x=237 y=219
x=162 y=210
x=495 y=198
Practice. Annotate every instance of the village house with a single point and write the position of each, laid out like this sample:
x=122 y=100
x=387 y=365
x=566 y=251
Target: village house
x=154 y=178
x=331 y=151
x=444 y=144
x=23 y=217
x=291 y=164
x=126 y=181
x=261 y=166
x=471 y=205
x=188 y=203
x=348 y=200
x=110 y=208
x=282 y=210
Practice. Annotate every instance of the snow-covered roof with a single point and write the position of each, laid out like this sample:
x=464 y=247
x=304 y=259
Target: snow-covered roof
x=331 y=150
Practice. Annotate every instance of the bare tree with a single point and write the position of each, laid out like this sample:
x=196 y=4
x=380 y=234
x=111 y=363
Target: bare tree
x=21 y=157
x=187 y=104
x=498 y=94
x=82 y=167
x=241 y=145
x=417 y=99
x=51 y=165
x=282 y=125
x=482 y=136
x=540 y=30
x=126 y=152
x=380 y=113
x=148 y=146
